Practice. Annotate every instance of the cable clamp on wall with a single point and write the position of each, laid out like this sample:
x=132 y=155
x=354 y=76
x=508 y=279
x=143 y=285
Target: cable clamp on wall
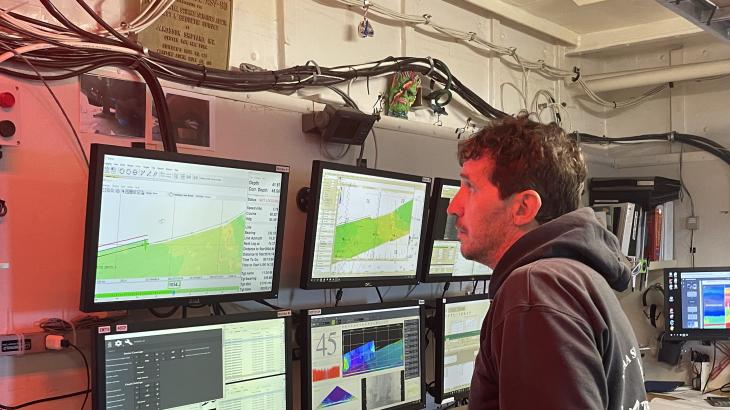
x=472 y=36
x=427 y=18
x=431 y=64
x=204 y=77
x=671 y=136
x=576 y=70
x=317 y=72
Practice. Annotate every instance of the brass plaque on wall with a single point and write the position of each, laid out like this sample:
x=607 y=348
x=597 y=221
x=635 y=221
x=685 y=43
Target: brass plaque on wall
x=194 y=31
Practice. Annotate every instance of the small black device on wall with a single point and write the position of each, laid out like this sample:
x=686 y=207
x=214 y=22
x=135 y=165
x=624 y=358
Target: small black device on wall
x=339 y=124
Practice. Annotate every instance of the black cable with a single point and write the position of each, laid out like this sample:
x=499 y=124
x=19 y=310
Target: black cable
x=714 y=356
x=338 y=297
x=164 y=315
x=53 y=11
x=3 y=208
x=63 y=396
x=696 y=141
x=58 y=103
x=380 y=296
x=725 y=388
x=88 y=373
x=220 y=308
x=265 y=303
x=129 y=43
x=446 y=287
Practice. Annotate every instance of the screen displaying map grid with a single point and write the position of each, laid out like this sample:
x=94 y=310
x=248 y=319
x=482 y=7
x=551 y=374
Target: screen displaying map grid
x=368 y=227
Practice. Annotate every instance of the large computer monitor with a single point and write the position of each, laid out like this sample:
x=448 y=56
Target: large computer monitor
x=364 y=227
x=364 y=357
x=240 y=361
x=459 y=323
x=165 y=228
x=443 y=261
x=696 y=303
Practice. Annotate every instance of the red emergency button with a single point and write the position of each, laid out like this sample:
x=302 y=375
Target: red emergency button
x=7 y=100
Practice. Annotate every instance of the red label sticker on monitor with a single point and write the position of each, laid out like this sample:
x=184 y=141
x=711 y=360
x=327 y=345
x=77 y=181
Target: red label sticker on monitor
x=121 y=328
x=104 y=329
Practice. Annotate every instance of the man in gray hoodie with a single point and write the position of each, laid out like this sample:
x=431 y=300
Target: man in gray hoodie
x=555 y=336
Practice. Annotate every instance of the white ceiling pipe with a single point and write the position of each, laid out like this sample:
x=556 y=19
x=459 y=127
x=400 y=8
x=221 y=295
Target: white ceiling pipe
x=664 y=75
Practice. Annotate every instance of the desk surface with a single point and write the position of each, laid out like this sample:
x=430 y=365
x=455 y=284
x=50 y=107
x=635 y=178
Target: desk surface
x=682 y=398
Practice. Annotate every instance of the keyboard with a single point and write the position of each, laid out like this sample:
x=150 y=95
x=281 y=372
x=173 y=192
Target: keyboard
x=719 y=401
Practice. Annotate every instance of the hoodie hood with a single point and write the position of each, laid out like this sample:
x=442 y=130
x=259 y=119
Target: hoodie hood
x=576 y=235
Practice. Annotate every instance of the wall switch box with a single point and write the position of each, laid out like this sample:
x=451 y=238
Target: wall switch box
x=693 y=222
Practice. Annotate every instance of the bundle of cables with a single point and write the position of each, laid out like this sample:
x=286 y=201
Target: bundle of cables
x=65 y=50
x=697 y=141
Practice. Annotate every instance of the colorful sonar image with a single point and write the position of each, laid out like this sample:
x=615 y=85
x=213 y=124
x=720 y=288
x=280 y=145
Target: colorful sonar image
x=354 y=238
x=716 y=306
x=217 y=250
x=337 y=396
x=325 y=374
x=372 y=348
x=367 y=227
x=364 y=360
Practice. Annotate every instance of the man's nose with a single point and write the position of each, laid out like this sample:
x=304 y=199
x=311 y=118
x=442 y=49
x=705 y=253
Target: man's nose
x=455 y=205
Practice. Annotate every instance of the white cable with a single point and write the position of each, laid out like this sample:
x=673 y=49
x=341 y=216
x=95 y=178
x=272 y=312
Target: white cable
x=523 y=63
x=24 y=49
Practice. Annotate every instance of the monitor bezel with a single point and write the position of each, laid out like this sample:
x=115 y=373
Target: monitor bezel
x=439 y=348
x=426 y=277
x=306 y=349
x=306 y=281
x=692 y=334
x=98 y=389
x=93 y=215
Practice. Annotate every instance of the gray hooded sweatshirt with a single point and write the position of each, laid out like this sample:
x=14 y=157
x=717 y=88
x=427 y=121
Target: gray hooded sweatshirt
x=555 y=336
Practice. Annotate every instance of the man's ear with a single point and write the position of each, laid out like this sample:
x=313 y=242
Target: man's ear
x=525 y=206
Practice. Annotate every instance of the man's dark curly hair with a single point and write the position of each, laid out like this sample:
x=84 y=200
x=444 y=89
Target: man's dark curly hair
x=531 y=155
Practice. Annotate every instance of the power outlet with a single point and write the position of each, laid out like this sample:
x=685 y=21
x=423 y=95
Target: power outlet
x=693 y=222
x=32 y=343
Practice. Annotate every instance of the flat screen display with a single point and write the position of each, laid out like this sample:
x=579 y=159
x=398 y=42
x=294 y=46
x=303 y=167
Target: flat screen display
x=167 y=228
x=364 y=358
x=458 y=342
x=225 y=362
x=443 y=259
x=364 y=228
x=697 y=303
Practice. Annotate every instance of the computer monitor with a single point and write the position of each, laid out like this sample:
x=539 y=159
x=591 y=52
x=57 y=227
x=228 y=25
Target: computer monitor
x=459 y=323
x=364 y=357
x=240 y=361
x=443 y=261
x=165 y=228
x=696 y=303
x=364 y=227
